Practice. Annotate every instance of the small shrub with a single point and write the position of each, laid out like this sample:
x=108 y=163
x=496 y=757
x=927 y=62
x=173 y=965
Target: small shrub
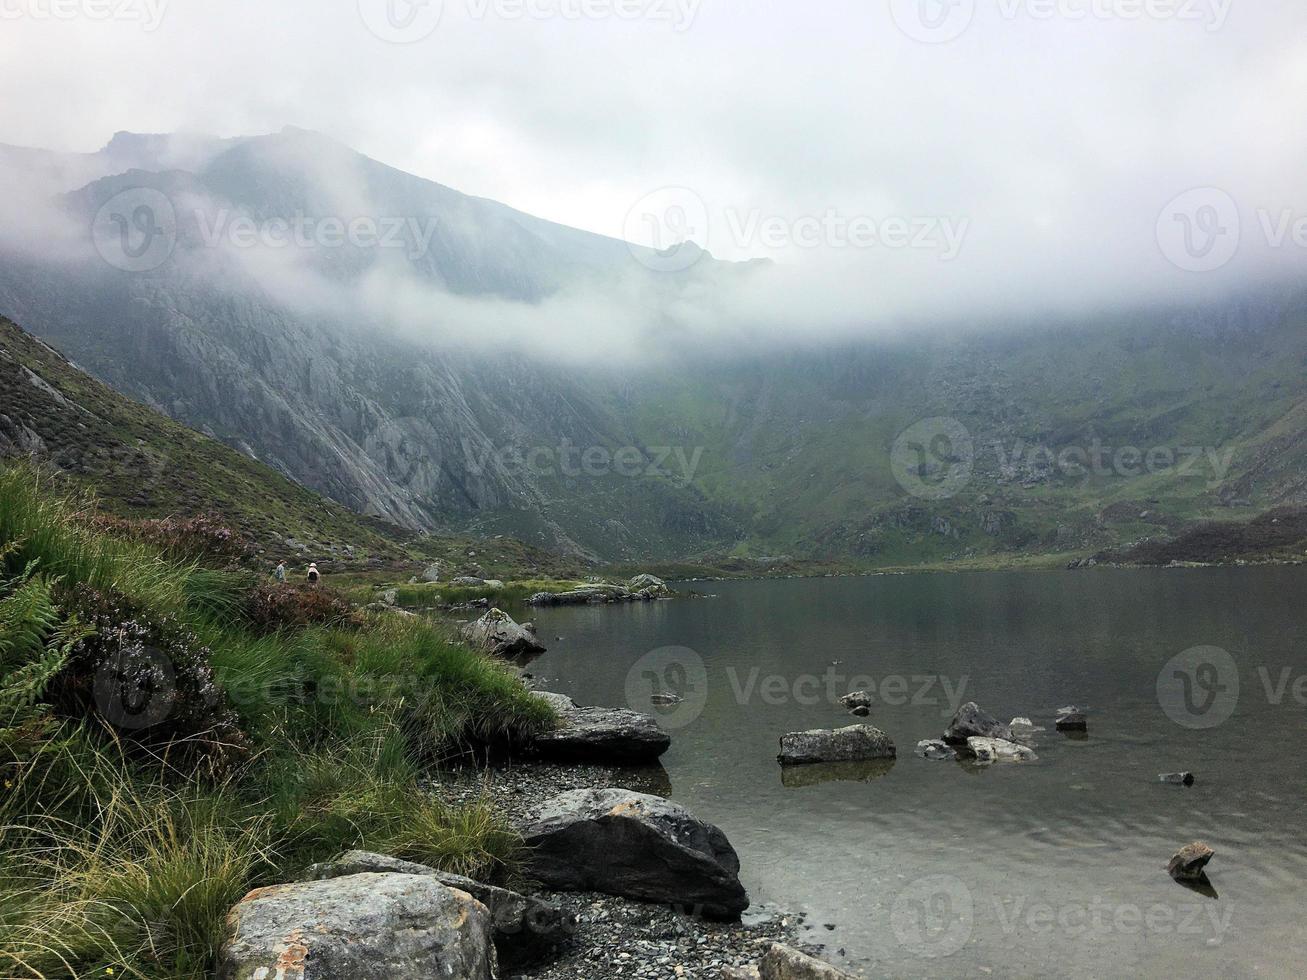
x=272 y=607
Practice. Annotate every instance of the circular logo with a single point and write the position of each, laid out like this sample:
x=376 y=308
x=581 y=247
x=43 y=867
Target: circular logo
x=934 y=459
x=1200 y=230
x=934 y=917
x=1199 y=688
x=671 y=683
x=136 y=230
x=134 y=689
x=673 y=221
x=933 y=21
x=401 y=21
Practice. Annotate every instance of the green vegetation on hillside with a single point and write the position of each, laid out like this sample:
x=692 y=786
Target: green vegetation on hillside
x=167 y=743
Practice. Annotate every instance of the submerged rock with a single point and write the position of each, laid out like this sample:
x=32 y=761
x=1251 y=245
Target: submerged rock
x=858 y=743
x=783 y=963
x=497 y=634
x=971 y=722
x=1177 y=778
x=614 y=736
x=935 y=750
x=364 y=926
x=635 y=846
x=999 y=750
x=1190 y=862
x=526 y=930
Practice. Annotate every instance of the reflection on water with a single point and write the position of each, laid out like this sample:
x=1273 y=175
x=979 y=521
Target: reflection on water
x=1053 y=868
x=797 y=777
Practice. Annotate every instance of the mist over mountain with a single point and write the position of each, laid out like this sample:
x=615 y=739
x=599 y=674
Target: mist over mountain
x=448 y=362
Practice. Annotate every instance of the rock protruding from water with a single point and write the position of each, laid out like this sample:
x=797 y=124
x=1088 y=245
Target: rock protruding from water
x=857 y=743
x=635 y=846
x=497 y=634
x=526 y=930
x=650 y=586
x=1072 y=719
x=935 y=750
x=1190 y=862
x=858 y=699
x=1177 y=778
x=988 y=750
x=642 y=588
x=365 y=926
x=783 y=963
x=972 y=722
x=611 y=736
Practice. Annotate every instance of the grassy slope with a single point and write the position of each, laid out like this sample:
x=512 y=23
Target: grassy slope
x=121 y=853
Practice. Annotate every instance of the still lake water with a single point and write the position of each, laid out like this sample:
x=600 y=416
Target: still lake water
x=942 y=869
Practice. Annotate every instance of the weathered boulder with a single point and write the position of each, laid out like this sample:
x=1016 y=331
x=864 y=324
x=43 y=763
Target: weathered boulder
x=390 y=597
x=635 y=846
x=999 y=750
x=432 y=573
x=615 y=736
x=365 y=927
x=858 y=743
x=1177 y=778
x=496 y=633
x=649 y=586
x=858 y=699
x=970 y=721
x=935 y=750
x=1072 y=719
x=526 y=930
x=783 y=963
x=1190 y=862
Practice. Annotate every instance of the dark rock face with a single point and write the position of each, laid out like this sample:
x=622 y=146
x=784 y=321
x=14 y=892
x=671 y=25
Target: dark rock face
x=526 y=930
x=635 y=846
x=497 y=634
x=365 y=927
x=614 y=736
x=1072 y=719
x=783 y=963
x=971 y=722
x=858 y=743
x=1190 y=861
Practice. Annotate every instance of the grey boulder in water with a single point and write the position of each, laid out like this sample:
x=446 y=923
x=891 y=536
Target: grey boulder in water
x=858 y=743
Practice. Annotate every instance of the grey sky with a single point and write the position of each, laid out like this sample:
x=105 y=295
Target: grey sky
x=1032 y=155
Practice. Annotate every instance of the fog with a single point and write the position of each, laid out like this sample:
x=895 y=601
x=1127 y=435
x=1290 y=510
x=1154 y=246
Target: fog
x=899 y=163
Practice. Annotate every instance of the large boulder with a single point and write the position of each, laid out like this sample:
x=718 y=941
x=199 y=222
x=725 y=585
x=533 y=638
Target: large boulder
x=1190 y=862
x=971 y=722
x=650 y=587
x=858 y=743
x=635 y=846
x=614 y=736
x=526 y=930
x=432 y=573
x=497 y=634
x=783 y=963
x=365 y=927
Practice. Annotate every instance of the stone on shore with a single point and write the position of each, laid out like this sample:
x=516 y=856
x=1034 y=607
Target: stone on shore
x=635 y=846
x=613 y=736
x=972 y=722
x=858 y=743
x=783 y=963
x=365 y=927
x=935 y=750
x=988 y=750
x=497 y=634
x=1190 y=862
x=526 y=930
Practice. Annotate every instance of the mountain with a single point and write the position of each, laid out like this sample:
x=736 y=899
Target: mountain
x=397 y=380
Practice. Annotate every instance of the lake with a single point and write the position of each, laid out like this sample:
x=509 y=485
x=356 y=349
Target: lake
x=1054 y=868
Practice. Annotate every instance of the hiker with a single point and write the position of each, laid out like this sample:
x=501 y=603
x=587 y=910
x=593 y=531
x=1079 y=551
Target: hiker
x=279 y=573
x=313 y=573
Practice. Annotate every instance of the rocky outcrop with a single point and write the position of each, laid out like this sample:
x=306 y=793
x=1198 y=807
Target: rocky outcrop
x=970 y=721
x=635 y=846
x=1190 y=862
x=613 y=736
x=988 y=750
x=497 y=634
x=642 y=588
x=364 y=926
x=526 y=930
x=649 y=586
x=858 y=743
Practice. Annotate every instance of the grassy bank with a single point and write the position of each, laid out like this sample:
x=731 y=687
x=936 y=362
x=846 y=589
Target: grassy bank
x=172 y=736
